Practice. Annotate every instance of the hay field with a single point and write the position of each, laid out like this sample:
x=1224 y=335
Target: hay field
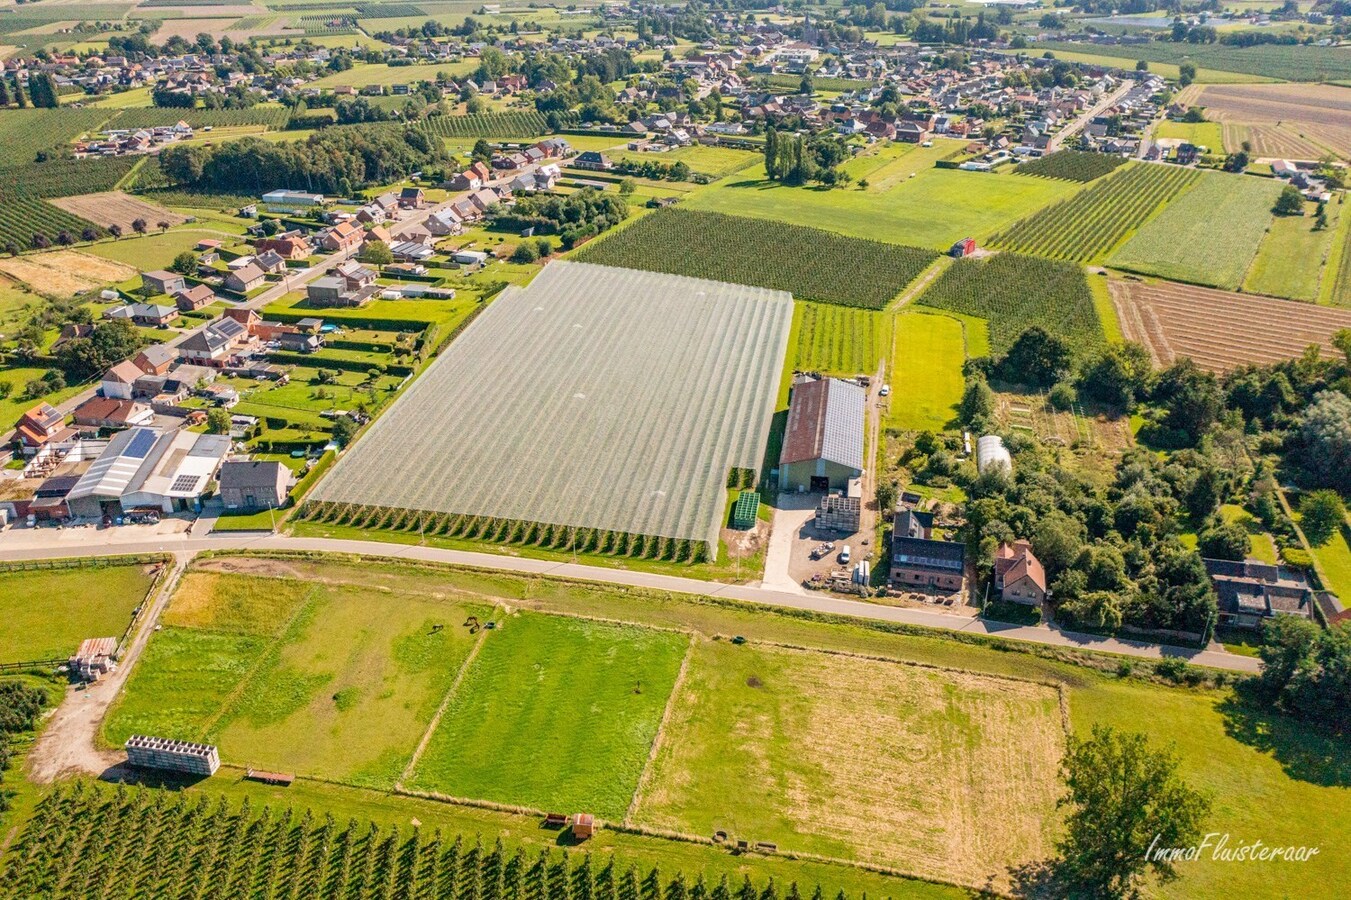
x=949 y=774
x=65 y=271
x=1284 y=119
x=308 y=677
x=117 y=208
x=555 y=713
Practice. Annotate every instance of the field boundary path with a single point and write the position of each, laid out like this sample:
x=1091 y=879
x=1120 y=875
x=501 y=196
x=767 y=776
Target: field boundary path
x=69 y=740
x=916 y=287
x=445 y=704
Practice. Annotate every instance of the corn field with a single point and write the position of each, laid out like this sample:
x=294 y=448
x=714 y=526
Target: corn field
x=146 y=844
x=1092 y=223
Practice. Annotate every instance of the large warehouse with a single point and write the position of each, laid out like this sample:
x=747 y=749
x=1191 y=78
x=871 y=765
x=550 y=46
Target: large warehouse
x=598 y=397
x=823 y=444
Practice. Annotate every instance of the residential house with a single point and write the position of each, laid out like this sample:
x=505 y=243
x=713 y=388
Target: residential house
x=444 y=222
x=195 y=297
x=156 y=359
x=161 y=282
x=472 y=178
x=117 y=382
x=1018 y=575
x=343 y=236
x=110 y=412
x=253 y=484
x=270 y=262
x=241 y=281
x=1250 y=592
x=248 y=318
x=214 y=345
x=355 y=275
x=911 y=132
x=334 y=291
x=150 y=315
x=40 y=426
x=918 y=562
x=290 y=245
x=412 y=198
x=593 y=160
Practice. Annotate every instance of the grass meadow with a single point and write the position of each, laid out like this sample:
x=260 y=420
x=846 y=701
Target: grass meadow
x=1201 y=134
x=555 y=712
x=45 y=614
x=945 y=773
x=926 y=371
x=304 y=677
x=1182 y=243
x=1292 y=257
x=933 y=209
x=859 y=759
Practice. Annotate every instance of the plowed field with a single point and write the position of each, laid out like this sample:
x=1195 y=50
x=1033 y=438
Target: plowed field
x=1303 y=121
x=1220 y=330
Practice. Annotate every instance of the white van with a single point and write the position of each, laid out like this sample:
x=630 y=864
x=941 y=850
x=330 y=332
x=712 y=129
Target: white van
x=844 y=555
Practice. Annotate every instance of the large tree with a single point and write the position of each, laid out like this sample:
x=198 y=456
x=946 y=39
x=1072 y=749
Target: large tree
x=1125 y=799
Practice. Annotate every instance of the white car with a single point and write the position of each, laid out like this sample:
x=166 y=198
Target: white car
x=885 y=391
x=844 y=555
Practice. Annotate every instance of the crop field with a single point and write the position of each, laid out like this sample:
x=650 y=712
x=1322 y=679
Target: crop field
x=808 y=263
x=27 y=223
x=1014 y=292
x=150 y=117
x=1183 y=242
x=1221 y=331
x=555 y=712
x=1337 y=281
x=926 y=371
x=838 y=340
x=65 y=271
x=44 y=614
x=670 y=383
x=1271 y=141
x=376 y=73
x=499 y=125
x=68 y=177
x=307 y=678
x=1318 y=114
x=1294 y=62
x=117 y=208
x=1291 y=260
x=951 y=772
x=932 y=209
x=24 y=132
x=1090 y=224
x=1071 y=165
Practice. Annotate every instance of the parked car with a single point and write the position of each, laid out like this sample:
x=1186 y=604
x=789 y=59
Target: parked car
x=844 y=555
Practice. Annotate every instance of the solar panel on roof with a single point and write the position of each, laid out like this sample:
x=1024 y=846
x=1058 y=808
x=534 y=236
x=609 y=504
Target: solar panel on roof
x=185 y=482
x=140 y=444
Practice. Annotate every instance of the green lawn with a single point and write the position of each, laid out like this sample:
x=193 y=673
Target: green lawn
x=45 y=614
x=714 y=161
x=14 y=405
x=1202 y=134
x=376 y=73
x=933 y=209
x=444 y=313
x=1184 y=243
x=952 y=773
x=1290 y=262
x=926 y=371
x=556 y=713
x=1102 y=302
x=152 y=251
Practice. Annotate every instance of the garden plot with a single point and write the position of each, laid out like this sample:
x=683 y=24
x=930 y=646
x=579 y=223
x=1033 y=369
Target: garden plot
x=1218 y=330
x=116 y=208
x=604 y=401
x=951 y=774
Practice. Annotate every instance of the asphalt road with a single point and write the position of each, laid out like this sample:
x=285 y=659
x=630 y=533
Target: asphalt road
x=49 y=543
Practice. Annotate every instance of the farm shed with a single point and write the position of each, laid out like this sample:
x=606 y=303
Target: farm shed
x=187 y=757
x=624 y=400
x=145 y=467
x=823 y=443
x=253 y=484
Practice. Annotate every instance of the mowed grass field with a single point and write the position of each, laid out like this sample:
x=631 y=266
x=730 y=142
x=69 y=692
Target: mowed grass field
x=1293 y=256
x=933 y=209
x=44 y=614
x=1184 y=243
x=304 y=677
x=1272 y=779
x=556 y=713
x=860 y=759
x=926 y=371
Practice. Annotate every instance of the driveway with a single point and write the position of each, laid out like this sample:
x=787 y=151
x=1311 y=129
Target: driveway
x=792 y=515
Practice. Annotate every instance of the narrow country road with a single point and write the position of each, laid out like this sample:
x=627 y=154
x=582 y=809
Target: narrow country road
x=47 y=543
